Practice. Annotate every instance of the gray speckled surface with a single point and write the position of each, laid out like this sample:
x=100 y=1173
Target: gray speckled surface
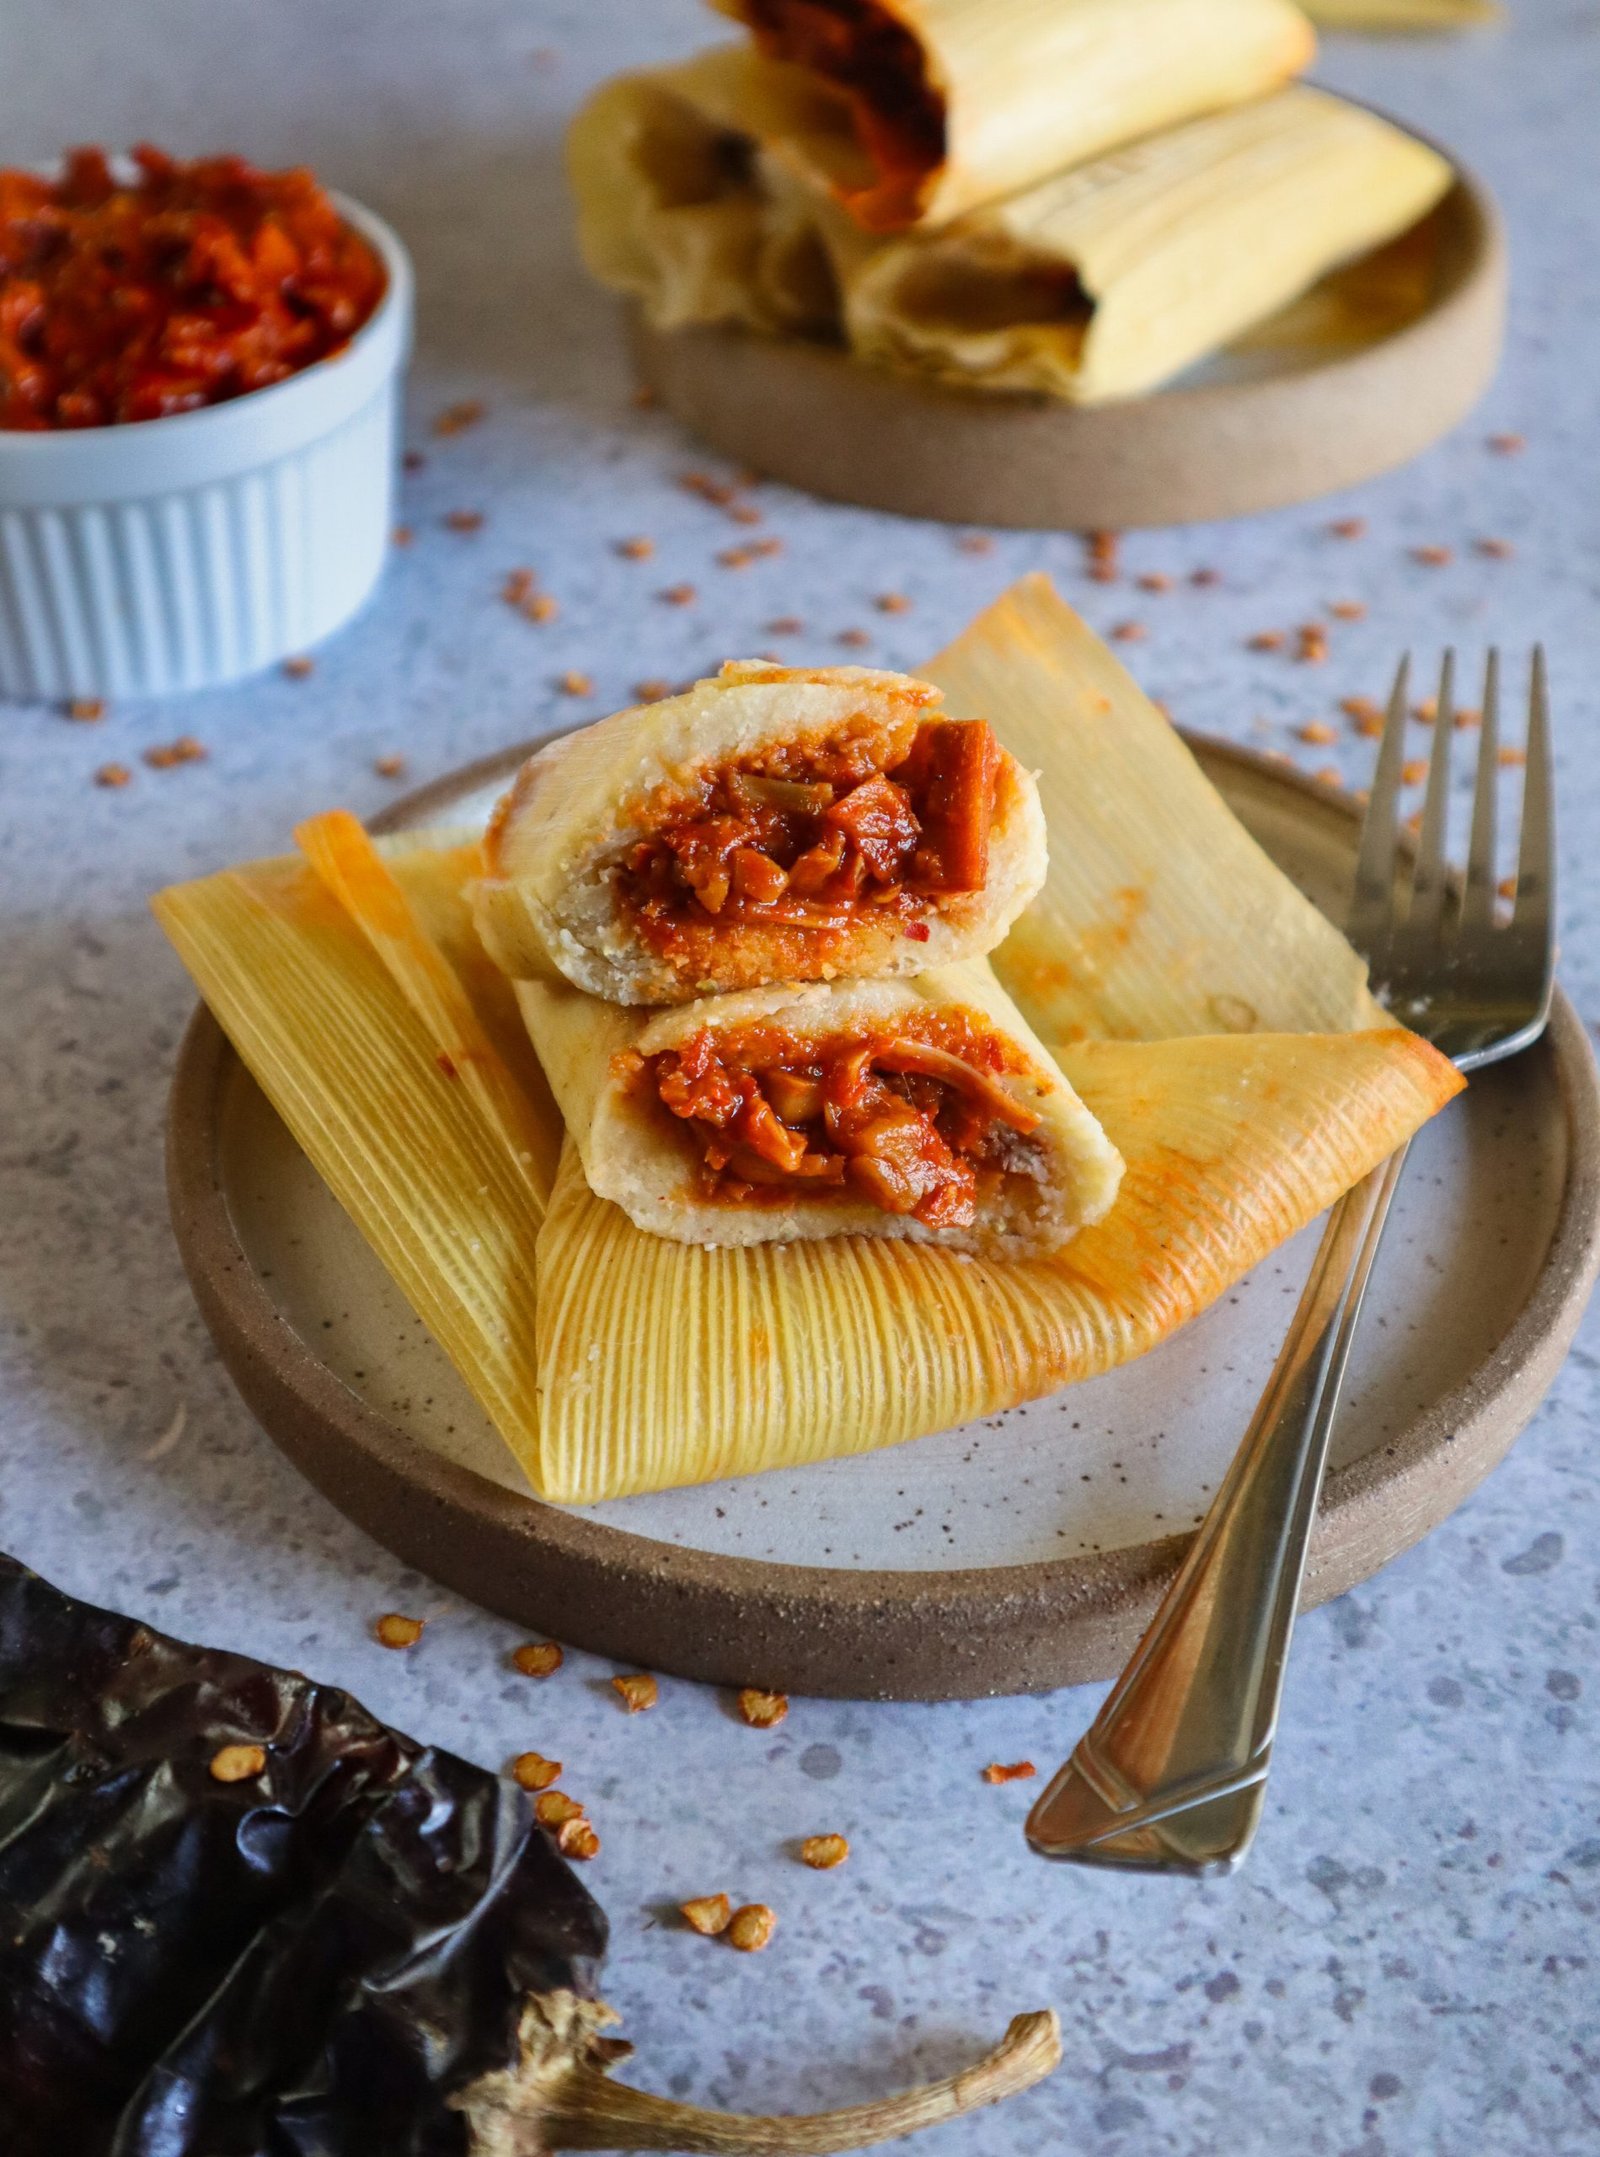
x=1407 y=1965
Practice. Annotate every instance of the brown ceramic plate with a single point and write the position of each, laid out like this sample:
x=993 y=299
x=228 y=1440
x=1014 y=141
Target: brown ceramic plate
x=1020 y=1553
x=1361 y=374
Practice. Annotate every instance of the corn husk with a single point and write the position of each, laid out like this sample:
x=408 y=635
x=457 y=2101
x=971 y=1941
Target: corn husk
x=682 y=208
x=1160 y=915
x=1108 y=280
x=1018 y=89
x=355 y=1052
x=662 y=1364
x=1404 y=16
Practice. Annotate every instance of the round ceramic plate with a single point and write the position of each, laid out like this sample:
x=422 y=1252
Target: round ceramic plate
x=1023 y=1552
x=1371 y=366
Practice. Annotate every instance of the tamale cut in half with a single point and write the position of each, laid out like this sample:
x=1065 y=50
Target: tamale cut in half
x=1106 y=281
x=948 y=104
x=923 y=1109
x=771 y=824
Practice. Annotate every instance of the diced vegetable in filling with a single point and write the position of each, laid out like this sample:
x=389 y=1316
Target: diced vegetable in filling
x=819 y=837
x=909 y=1125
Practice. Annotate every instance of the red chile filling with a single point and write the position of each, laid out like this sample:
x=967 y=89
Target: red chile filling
x=815 y=838
x=909 y=1125
x=878 y=63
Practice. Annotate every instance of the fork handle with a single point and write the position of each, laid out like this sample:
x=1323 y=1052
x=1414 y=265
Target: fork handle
x=1171 y=1775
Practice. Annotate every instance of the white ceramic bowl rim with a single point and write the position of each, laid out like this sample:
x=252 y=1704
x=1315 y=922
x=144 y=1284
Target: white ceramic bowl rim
x=188 y=449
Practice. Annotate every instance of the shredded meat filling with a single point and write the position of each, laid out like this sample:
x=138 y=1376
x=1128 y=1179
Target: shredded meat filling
x=908 y=1125
x=815 y=839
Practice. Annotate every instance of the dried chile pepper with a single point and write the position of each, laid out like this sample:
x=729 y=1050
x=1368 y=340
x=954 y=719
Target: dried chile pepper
x=367 y=1949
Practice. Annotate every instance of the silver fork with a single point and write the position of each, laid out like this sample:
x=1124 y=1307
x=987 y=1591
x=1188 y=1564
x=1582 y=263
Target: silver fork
x=1172 y=1774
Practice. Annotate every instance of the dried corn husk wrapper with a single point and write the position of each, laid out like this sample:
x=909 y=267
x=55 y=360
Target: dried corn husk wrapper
x=1108 y=280
x=1404 y=16
x=955 y=103
x=681 y=207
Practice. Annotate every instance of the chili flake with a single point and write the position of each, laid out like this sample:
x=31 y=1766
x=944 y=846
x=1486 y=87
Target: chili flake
x=762 y=1711
x=652 y=691
x=707 y=1914
x=785 y=625
x=823 y=1852
x=187 y=285
x=463 y=520
x=751 y=1928
x=1129 y=633
x=1328 y=775
x=86 y=708
x=394 y=1631
x=538 y=1659
x=855 y=639
x=1348 y=610
x=636 y=550
x=390 y=767
x=1497 y=550
x=401 y=536
x=577 y=1839
x=299 y=667
x=165 y=755
x=1433 y=557
x=637 y=1692
x=975 y=543
x=1318 y=732
x=1511 y=759
x=575 y=684
x=457 y=418
x=534 y=1771
x=677 y=595
x=112 y=775
x=1267 y=640
x=1311 y=644
x=238 y=1763
x=1413 y=771
x=892 y=603
x=1020 y=1771
x=1508 y=445
x=1348 y=527
x=1205 y=577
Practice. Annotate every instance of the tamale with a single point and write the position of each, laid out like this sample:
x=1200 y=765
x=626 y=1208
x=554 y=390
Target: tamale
x=923 y=1109
x=955 y=103
x=771 y=824
x=1108 y=280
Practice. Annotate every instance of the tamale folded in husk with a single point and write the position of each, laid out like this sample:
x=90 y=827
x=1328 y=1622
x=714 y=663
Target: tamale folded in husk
x=1108 y=280
x=954 y=103
x=771 y=824
x=446 y=1180
x=662 y=1364
x=681 y=207
x=922 y=1109
x=1160 y=915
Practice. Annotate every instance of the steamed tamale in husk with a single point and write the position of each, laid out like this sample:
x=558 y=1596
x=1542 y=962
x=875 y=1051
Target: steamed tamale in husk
x=661 y=1363
x=1112 y=278
x=949 y=104
x=771 y=824
x=923 y=1109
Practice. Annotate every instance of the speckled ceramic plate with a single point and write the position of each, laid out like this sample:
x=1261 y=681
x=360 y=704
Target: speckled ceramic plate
x=1022 y=1552
x=1371 y=366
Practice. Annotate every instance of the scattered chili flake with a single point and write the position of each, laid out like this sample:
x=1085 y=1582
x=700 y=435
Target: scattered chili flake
x=1311 y=644
x=917 y=932
x=1129 y=633
x=1020 y=1771
x=553 y=1808
x=534 y=1771
x=637 y=1692
x=237 y=1763
x=1328 y=775
x=652 y=691
x=112 y=775
x=1413 y=822
x=1508 y=445
x=538 y=1659
x=1267 y=640
x=751 y=1928
x=1497 y=550
x=707 y=1914
x=575 y=684
x=1154 y=580
x=785 y=625
x=638 y=549
x=519 y=583
x=892 y=603
x=1318 y=732
x=539 y=607
x=1205 y=577
x=1433 y=557
x=413 y=461
x=823 y=1852
x=1467 y=717
x=300 y=667
x=1413 y=771
x=744 y=513
x=164 y=756
x=577 y=1839
x=975 y=543
x=762 y=1711
x=1511 y=759
x=677 y=595
x=86 y=708
x=1506 y=888
x=1103 y=546
x=1348 y=610
x=856 y=639
x=1348 y=527
x=1426 y=712
x=389 y=767
x=457 y=418
x=736 y=557
x=402 y=536
x=182 y=285
x=718 y=492
x=394 y=1631
x=1364 y=715
x=463 y=520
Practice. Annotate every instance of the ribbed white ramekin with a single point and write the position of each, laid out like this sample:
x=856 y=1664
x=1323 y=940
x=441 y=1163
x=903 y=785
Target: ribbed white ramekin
x=178 y=553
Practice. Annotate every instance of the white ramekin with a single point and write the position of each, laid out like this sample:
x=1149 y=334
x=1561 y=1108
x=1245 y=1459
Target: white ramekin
x=173 y=554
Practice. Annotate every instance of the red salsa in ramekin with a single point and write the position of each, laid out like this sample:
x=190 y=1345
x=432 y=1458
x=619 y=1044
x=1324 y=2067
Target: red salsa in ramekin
x=168 y=285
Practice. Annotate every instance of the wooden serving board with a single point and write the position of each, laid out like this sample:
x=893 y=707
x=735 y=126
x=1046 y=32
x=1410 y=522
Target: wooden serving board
x=1360 y=375
x=1020 y=1553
